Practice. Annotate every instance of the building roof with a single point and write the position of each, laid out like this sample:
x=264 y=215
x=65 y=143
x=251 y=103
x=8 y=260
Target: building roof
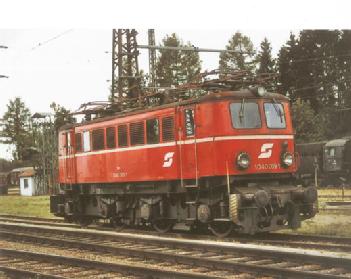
x=27 y=173
x=336 y=142
x=21 y=169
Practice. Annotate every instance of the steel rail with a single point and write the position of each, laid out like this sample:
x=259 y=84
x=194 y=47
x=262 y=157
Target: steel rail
x=32 y=218
x=21 y=273
x=105 y=266
x=200 y=258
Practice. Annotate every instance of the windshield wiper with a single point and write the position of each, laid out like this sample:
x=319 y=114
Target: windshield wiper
x=277 y=110
x=241 y=112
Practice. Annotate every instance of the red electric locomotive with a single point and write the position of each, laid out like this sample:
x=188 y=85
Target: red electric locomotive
x=225 y=160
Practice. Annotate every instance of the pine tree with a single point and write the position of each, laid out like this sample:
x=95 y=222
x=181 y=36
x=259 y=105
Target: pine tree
x=286 y=67
x=264 y=58
x=344 y=68
x=61 y=115
x=308 y=125
x=175 y=67
x=241 y=60
x=266 y=64
x=18 y=128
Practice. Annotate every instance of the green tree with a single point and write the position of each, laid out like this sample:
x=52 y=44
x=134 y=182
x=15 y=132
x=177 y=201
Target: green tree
x=264 y=58
x=241 y=60
x=61 y=115
x=308 y=125
x=316 y=67
x=286 y=67
x=17 y=128
x=175 y=67
x=266 y=64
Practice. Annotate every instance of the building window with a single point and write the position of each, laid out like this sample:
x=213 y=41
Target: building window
x=168 y=128
x=136 y=132
x=86 y=141
x=189 y=122
x=98 y=139
x=25 y=183
x=111 y=137
x=152 y=131
x=78 y=142
x=122 y=136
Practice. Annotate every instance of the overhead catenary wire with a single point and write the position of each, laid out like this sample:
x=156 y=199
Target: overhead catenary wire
x=51 y=39
x=314 y=85
x=346 y=54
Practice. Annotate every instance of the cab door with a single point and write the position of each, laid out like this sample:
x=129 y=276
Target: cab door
x=70 y=160
x=187 y=144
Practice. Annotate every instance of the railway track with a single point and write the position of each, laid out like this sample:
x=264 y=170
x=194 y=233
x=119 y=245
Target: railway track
x=25 y=264
x=317 y=242
x=219 y=260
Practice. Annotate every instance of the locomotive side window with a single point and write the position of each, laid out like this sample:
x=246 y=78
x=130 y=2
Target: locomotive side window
x=274 y=115
x=136 y=132
x=189 y=122
x=98 y=139
x=78 y=138
x=68 y=135
x=152 y=131
x=245 y=115
x=122 y=136
x=111 y=137
x=86 y=141
x=168 y=128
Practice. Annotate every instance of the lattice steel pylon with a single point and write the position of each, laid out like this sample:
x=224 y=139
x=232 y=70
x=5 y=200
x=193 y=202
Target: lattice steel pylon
x=126 y=87
x=152 y=60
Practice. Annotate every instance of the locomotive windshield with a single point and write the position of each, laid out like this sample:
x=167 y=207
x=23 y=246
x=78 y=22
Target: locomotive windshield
x=274 y=115
x=245 y=115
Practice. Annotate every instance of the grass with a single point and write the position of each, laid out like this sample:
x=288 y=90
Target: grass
x=38 y=206
x=332 y=223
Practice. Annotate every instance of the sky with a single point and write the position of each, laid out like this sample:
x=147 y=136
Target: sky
x=48 y=61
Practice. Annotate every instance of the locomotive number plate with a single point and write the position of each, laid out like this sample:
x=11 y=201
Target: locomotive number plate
x=272 y=166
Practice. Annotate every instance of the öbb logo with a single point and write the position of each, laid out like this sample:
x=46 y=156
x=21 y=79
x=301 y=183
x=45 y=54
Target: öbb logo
x=266 y=151
x=168 y=159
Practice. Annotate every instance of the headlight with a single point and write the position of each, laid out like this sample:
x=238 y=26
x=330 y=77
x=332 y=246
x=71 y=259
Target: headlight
x=243 y=160
x=287 y=159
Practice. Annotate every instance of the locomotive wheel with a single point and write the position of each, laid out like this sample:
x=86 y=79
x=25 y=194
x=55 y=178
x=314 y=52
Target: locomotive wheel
x=162 y=225
x=117 y=224
x=221 y=229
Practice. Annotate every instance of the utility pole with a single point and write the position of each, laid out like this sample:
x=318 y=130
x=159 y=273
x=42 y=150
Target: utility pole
x=46 y=164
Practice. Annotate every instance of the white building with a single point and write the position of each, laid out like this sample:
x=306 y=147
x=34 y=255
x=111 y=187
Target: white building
x=28 y=185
